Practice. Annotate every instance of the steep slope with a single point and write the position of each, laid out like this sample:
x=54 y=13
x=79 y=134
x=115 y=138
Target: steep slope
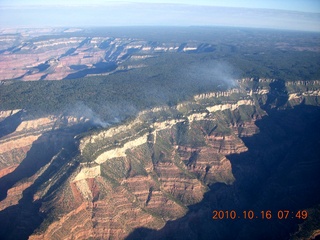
x=29 y=145
x=148 y=170
x=278 y=172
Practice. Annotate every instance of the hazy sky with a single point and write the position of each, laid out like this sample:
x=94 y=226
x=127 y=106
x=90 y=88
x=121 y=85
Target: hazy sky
x=83 y=13
x=295 y=5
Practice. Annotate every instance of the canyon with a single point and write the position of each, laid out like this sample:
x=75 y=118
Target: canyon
x=55 y=55
x=144 y=132
x=161 y=173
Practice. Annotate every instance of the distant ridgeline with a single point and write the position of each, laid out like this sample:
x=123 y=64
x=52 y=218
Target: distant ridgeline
x=58 y=54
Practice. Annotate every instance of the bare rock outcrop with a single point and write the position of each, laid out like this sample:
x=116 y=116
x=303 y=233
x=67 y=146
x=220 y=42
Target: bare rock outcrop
x=142 y=173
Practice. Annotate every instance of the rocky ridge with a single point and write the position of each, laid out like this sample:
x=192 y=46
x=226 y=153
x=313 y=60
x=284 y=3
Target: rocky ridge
x=141 y=173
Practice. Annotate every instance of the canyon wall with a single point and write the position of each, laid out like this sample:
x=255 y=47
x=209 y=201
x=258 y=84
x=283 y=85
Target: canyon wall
x=107 y=183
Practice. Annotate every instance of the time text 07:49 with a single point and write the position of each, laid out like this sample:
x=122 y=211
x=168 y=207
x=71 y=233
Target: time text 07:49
x=264 y=214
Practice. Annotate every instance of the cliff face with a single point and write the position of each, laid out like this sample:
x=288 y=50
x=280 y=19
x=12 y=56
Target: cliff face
x=27 y=145
x=145 y=178
x=146 y=171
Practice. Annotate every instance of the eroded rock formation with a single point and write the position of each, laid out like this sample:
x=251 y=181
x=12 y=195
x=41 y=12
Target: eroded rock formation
x=30 y=59
x=142 y=173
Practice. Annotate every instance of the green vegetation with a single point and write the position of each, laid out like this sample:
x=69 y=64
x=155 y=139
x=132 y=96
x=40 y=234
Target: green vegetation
x=170 y=78
x=189 y=134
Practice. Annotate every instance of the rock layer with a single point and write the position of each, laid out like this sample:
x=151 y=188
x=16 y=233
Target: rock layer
x=141 y=173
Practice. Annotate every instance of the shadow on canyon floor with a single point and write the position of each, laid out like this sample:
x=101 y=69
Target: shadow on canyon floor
x=10 y=124
x=280 y=171
x=41 y=152
x=25 y=217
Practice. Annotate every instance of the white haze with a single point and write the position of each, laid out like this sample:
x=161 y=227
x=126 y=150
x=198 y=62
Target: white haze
x=80 y=110
x=154 y=14
x=110 y=113
x=212 y=75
